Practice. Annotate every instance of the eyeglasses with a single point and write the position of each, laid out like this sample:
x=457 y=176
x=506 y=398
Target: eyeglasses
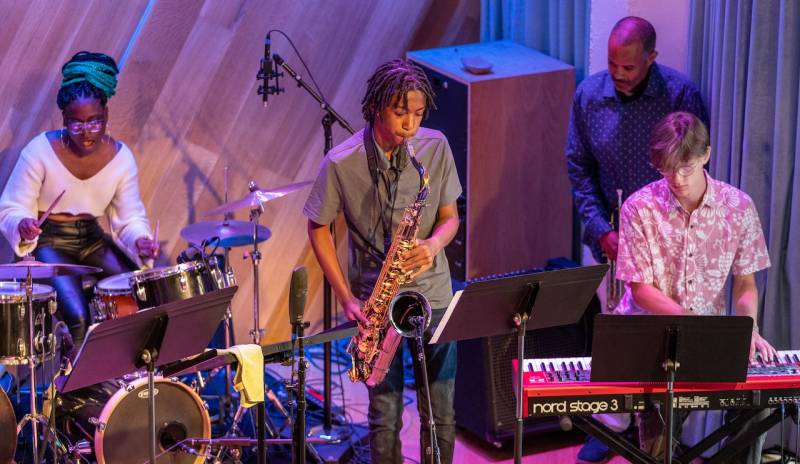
x=684 y=170
x=77 y=127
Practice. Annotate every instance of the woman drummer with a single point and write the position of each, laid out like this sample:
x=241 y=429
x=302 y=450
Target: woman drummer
x=98 y=176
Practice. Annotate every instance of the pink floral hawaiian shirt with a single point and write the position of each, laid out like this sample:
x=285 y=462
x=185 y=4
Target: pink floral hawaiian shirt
x=688 y=256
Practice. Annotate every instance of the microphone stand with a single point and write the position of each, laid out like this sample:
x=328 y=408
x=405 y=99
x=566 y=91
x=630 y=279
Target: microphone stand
x=326 y=430
x=299 y=390
x=432 y=452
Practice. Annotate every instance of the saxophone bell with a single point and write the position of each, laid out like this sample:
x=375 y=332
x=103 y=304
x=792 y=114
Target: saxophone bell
x=410 y=314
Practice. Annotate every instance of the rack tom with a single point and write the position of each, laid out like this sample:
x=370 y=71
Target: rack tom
x=158 y=286
x=113 y=298
x=15 y=327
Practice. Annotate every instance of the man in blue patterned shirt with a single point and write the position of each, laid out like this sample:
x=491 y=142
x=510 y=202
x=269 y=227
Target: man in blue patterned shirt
x=613 y=113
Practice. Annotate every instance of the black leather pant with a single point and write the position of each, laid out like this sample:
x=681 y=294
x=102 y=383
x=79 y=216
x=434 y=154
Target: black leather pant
x=78 y=242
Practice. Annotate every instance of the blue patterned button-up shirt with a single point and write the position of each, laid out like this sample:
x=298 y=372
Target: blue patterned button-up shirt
x=608 y=141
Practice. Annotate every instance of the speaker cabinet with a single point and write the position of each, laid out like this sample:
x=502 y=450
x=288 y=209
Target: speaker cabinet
x=507 y=129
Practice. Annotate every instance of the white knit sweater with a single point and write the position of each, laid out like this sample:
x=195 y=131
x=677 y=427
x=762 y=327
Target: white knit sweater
x=39 y=177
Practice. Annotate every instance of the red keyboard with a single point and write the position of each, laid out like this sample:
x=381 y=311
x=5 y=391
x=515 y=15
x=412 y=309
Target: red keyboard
x=559 y=386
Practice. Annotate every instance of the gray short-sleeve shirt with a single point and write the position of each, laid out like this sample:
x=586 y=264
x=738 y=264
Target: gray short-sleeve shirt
x=344 y=184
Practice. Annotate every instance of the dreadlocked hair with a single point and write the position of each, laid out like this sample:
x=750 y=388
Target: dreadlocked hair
x=87 y=74
x=393 y=80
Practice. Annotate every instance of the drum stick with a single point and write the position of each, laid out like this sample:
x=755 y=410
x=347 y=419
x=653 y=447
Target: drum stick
x=50 y=209
x=154 y=242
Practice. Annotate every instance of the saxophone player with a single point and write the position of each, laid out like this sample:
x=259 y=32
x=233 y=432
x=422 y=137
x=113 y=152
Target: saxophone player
x=368 y=178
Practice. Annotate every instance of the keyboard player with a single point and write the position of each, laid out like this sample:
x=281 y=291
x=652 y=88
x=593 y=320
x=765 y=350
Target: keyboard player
x=681 y=237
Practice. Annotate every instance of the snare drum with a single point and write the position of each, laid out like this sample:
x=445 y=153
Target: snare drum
x=14 y=326
x=115 y=420
x=163 y=285
x=113 y=298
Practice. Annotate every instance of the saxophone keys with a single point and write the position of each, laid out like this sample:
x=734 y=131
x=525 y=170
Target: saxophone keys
x=363 y=346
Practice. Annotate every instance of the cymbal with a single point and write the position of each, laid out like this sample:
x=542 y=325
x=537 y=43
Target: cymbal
x=230 y=233
x=256 y=198
x=40 y=270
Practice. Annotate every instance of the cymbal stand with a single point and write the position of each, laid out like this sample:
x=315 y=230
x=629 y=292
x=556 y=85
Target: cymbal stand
x=225 y=404
x=33 y=416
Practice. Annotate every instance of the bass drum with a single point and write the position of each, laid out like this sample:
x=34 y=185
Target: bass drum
x=8 y=429
x=115 y=420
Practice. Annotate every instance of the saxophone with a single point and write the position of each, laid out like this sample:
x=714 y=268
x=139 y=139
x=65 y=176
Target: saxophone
x=391 y=315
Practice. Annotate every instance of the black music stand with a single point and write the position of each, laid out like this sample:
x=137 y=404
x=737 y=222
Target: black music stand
x=669 y=349
x=148 y=338
x=516 y=304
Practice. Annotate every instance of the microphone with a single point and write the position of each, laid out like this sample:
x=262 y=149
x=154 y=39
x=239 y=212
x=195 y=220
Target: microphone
x=266 y=69
x=190 y=254
x=297 y=295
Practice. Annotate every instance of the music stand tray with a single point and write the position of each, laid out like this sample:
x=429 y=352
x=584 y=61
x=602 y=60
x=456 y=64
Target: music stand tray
x=634 y=348
x=112 y=348
x=514 y=304
x=666 y=349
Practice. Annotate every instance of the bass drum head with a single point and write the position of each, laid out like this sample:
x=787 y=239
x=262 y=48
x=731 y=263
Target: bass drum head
x=124 y=436
x=8 y=429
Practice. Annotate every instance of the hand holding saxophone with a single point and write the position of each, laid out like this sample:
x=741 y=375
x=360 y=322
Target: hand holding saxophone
x=353 y=311
x=420 y=258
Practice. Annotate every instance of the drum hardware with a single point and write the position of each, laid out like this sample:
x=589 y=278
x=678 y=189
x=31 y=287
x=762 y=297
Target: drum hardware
x=29 y=269
x=254 y=201
x=229 y=234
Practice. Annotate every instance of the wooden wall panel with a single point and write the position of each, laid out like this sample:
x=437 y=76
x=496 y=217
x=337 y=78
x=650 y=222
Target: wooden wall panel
x=187 y=104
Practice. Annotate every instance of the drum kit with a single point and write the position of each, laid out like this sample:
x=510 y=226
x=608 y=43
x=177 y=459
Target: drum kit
x=103 y=420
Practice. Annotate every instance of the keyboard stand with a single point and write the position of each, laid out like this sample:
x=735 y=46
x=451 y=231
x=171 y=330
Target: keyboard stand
x=666 y=349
